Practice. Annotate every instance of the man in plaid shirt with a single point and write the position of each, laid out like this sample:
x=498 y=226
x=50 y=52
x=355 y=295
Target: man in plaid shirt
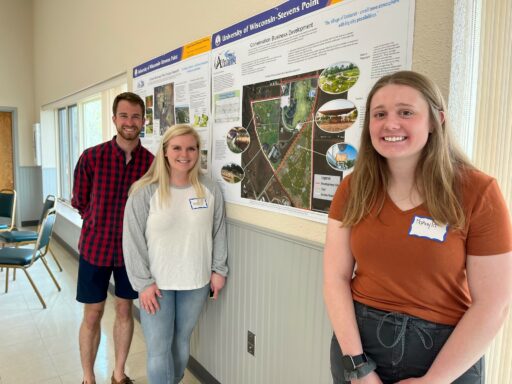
x=103 y=176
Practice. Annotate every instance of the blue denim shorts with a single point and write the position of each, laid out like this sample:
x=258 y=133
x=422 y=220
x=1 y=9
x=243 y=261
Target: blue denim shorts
x=403 y=346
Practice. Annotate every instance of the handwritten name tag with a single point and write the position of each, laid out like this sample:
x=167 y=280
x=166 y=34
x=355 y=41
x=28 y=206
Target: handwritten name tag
x=426 y=227
x=196 y=203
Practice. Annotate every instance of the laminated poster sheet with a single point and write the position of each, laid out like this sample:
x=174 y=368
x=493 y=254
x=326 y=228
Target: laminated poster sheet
x=176 y=90
x=288 y=90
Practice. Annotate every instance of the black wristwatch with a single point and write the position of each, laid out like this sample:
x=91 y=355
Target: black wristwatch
x=351 y=363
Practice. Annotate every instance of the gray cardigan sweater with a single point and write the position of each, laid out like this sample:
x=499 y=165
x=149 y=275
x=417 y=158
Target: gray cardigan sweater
x=135 y=247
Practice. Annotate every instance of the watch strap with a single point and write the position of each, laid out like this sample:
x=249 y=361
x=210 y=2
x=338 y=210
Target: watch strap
x=352 y=362
x=361 y=371
x=359 y=360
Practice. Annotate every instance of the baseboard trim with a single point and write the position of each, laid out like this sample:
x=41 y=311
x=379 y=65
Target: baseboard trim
x=30 y=223
x=65 y=245
x=200 y=372
x=193 y=366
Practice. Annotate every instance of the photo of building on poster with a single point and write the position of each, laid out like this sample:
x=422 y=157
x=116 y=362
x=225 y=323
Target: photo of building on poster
x=164 y=106
x=292 y=138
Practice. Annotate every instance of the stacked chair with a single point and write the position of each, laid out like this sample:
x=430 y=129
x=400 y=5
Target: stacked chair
x=7 y=209
x=19 y=238
x=24 y=258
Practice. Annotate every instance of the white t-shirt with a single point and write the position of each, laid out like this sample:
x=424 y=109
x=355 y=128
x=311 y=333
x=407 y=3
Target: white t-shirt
x=179 y=239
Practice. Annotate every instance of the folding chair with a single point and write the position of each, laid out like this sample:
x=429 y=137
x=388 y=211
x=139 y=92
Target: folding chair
x=24 y=258
x=7 y=209
x=20 y=238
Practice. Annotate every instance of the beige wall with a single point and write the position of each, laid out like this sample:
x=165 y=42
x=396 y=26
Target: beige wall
x=79 y=43
x=16 y=69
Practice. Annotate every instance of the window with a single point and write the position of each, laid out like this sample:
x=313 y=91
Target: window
x=481 y=110
x=73 y=135
x=69 y=147
x=64 y=162
x=74 y=124
x=91 y=117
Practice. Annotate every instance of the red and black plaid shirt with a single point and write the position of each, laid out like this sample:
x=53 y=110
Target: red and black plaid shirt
x=100 y=191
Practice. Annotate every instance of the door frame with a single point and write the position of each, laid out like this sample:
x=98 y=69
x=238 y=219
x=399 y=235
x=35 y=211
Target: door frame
x=15 y=154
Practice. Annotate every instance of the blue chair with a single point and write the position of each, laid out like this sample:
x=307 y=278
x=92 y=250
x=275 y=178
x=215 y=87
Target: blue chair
x=7 y=209
x=20 y=238
x=24 y=258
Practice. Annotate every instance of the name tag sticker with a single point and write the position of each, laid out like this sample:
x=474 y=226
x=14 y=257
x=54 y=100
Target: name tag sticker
x=426 y=227
x=196 y=203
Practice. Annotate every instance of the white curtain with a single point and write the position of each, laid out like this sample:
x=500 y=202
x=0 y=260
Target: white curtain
x=492 y=146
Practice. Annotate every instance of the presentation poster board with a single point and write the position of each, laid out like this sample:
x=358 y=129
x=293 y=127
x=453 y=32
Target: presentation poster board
x=176 y=89
x=289 y=88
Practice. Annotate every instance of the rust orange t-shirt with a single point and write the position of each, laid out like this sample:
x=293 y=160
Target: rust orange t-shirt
x=406 y=263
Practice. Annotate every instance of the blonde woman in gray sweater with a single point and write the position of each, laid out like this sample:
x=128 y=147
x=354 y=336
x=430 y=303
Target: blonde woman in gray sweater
x=174 y=242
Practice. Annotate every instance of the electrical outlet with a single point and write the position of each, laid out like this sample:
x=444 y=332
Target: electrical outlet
x=251 y=342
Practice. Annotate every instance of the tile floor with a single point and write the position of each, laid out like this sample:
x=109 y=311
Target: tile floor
x=41 y=345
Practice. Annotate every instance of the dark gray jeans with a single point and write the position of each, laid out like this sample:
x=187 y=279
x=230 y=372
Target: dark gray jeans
x=403 y=346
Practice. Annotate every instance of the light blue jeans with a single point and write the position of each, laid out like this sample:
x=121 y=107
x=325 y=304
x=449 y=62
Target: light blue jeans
x=168 y=332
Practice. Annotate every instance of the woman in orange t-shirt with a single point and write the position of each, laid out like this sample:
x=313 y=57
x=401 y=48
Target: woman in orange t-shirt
x=418 y=253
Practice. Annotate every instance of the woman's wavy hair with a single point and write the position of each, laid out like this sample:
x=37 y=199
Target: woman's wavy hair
x=160 y=170
x=439 y=171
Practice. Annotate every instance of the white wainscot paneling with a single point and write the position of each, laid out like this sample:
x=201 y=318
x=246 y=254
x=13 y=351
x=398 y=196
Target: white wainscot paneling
x=275 y=291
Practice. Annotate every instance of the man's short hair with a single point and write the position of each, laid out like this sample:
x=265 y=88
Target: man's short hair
x=131 y=98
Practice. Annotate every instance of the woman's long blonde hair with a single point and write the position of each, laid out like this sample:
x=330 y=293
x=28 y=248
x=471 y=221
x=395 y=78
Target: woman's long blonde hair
x=160 y=171
x=439 y=172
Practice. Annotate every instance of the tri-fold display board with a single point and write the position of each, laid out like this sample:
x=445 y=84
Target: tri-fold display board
x=279 y=98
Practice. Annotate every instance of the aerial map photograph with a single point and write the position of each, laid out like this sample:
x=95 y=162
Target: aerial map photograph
x=287 y=146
